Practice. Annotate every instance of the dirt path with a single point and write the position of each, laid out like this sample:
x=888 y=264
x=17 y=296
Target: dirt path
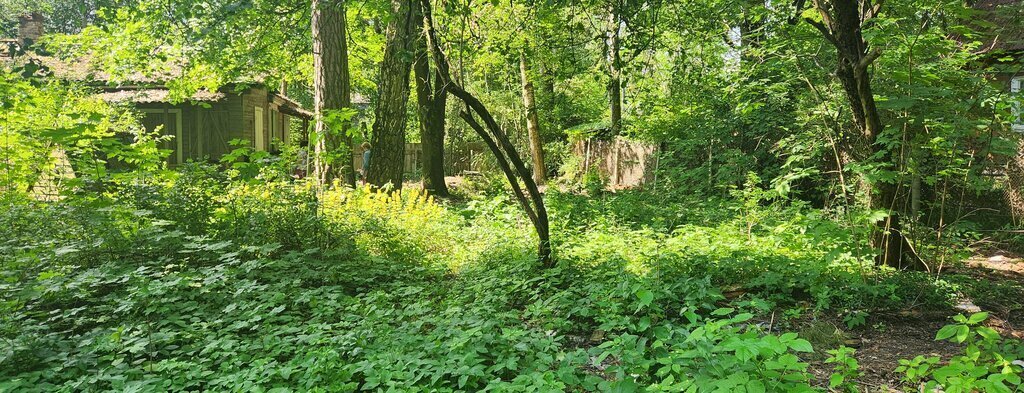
x=904 y=335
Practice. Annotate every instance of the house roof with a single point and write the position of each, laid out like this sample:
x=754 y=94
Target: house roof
x=289 y=106
x=151 y=95
x=138 y=87
x=82 y=69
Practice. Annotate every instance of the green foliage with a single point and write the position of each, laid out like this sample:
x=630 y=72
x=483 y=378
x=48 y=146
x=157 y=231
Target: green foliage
x=593 y=182
x=49 y=129
x=988 y=362
x=236 y=277
x=845 y=370
x=720 y=355
x=206 y=280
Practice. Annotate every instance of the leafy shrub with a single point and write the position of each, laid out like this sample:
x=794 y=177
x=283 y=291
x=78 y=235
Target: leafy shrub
x=987 y=364
x=593 y=182
x=845 y=371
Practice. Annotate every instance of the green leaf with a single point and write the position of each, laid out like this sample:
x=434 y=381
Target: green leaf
x=643 y=324
x=624 y=386
x=742 y=317
x=645 y=296
x=977 y=318
x=836 y=380
x=801 y=345
x=946 y=332
x=961 y=333
x=987 y=333
x=755 y=386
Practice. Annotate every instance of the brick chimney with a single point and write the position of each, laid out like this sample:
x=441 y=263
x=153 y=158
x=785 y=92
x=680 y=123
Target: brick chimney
x=30 y=28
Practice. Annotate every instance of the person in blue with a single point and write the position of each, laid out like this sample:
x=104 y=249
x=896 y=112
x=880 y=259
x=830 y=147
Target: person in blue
x=366 y=160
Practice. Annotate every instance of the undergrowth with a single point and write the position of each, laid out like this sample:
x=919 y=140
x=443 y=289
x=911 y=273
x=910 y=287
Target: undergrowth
x=204 y=282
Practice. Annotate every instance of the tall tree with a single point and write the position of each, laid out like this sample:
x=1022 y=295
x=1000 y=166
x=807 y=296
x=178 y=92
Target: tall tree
x=431 y=102
x=631 y=29
x=842 y=22
x=614 y=60
x=387 y=160
x=532 y=121
x=331 y=92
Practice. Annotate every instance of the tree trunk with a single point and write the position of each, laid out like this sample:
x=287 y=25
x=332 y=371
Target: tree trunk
x=841 y=23
x=387 y=157
x=915 y=196
x=432 y=100
x=331 y=91
x=614 y=71
x=1014 y=192
x=532 y=122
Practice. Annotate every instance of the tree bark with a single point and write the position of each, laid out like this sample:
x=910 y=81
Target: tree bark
x=331 y=91
x=387 y=157
x=532 y=122
x=432 y=100
x=614 y=71
x=841 y=24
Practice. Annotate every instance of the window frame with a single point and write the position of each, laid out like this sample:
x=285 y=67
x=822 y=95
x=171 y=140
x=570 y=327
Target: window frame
x=1016 y=87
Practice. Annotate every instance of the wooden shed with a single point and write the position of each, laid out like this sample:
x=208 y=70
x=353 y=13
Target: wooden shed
x=204 y=126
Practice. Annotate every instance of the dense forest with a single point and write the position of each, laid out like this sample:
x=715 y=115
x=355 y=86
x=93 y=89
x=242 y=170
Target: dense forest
x=512 y=195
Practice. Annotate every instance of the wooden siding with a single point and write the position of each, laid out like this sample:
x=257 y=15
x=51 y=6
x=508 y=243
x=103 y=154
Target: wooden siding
x=252 y=98
x=206 y=130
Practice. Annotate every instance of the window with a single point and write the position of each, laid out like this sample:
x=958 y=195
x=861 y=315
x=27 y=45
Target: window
x=1018 y=114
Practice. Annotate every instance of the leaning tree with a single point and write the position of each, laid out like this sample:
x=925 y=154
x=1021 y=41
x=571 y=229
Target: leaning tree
x=510 y=162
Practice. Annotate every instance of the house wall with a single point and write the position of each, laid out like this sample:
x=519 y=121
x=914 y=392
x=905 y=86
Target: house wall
x=171 y=118
x=277 y=128
x=252 y=98
x=219 y=124
x=206 y=130
x=1013 y=192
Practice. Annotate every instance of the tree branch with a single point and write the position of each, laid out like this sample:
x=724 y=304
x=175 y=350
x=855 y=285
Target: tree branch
x=502 y=163
x=823 y=29
x=869 y=58
x=497 y=141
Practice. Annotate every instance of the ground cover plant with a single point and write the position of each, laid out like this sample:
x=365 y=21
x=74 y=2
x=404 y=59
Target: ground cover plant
x=367 y=290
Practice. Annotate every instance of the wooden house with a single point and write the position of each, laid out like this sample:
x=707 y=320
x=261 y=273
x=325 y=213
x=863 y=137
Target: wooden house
x=204 y=125
x=1004 y=46
x=1004 y=50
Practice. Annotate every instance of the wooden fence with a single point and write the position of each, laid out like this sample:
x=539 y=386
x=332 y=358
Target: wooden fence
x=458 y=159
x=413 y=155
x=622 y=162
